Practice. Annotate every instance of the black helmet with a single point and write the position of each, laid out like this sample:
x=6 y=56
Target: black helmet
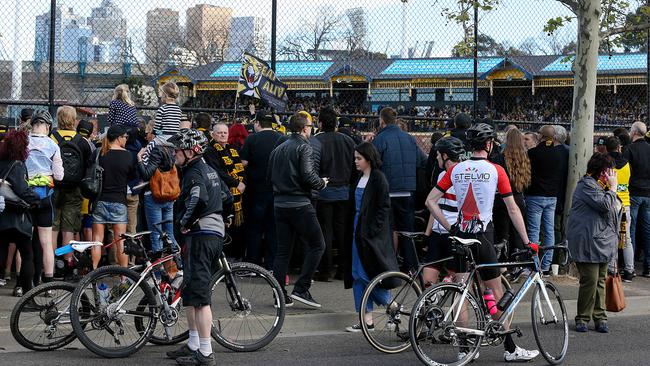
x=41 y=116
x=189 y=139
x=479 y=134
x=451 y=146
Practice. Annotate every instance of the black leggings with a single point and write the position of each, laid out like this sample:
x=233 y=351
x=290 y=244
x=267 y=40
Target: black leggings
x=24 y=246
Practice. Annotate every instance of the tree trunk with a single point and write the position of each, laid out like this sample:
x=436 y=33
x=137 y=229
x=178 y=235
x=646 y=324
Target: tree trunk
x=584 y=94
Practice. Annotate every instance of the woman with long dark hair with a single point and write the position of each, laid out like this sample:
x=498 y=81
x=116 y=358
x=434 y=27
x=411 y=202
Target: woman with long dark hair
x=16 y=222
x=371 y=247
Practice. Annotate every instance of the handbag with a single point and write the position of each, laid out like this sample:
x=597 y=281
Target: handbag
x=12 y=201
x=165 y=186
x=91 y=184
x=614 y=295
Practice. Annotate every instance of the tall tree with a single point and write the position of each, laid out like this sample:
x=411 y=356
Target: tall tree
x=314 y=36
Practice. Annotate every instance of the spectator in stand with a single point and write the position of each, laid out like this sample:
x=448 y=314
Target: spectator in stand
x=622 y=168
x=401 y=157
x=337 y=159
x=637 y=155
x=541 y=196
x=237 y=134
x=44 y=166
x=260 y=217
x=111 y=205
x=15 y=225
x=291 y=171
x=225 y=160
x=168 y=115
x=160 y=158
x=67 y=199
x=369 y=251
x=592 y=232
x=121 y=110
x=531 y=139
x=204 y=124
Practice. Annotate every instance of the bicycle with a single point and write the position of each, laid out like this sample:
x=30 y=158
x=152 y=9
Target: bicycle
x=453 y=320
x=389 y=333
x=119 y=294
x=40 y=321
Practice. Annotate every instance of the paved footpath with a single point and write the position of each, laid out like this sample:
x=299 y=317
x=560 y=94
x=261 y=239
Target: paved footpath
x=316 y=337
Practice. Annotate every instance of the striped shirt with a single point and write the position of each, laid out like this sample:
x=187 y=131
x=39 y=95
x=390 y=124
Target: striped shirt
x=449 y=207
x=120 y=113
x=168 y=120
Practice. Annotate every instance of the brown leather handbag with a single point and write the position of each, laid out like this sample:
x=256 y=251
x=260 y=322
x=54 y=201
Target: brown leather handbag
x=165 y=186
x=614 y=295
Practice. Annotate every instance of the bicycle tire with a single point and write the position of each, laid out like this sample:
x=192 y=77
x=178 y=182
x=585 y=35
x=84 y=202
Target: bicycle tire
x=428 y=318
x=536 y=307
x=79 y=327
x=162 y=340
x=397 y=339
x=241 y=271
x=48 y=313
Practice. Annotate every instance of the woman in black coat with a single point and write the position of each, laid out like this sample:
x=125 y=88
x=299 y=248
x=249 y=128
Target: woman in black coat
x=16 y=222
x=370 y=248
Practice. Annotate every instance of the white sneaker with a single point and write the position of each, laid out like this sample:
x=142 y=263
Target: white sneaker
x=520 y=355
x=462 y=355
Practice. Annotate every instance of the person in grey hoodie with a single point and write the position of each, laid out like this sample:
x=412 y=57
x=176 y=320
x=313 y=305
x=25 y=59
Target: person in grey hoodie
x=592 y=233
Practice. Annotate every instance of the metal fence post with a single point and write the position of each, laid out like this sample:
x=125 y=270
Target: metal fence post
x=274 y=30
x=50 y=94
x=475 y=80
x=647 y=74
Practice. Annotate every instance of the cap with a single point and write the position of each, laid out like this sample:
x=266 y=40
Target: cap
x=345 y=122
x=115 y=131
x=85 y=128
x=601 y=141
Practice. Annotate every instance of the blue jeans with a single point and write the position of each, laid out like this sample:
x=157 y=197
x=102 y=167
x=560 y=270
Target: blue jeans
x=155 y=213
x=540 y=214
x=640 y=211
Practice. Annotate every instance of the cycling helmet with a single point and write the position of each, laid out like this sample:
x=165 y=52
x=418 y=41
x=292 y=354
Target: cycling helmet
x=451 y=146
x=41 y=116
x=189 y=139
x=479 y=134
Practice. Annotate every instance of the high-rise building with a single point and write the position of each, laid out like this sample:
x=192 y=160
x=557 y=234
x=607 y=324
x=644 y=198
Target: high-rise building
x=65 y=18
x=162 y=34
x=107 y=22
x=206 y=32
x=247 y=34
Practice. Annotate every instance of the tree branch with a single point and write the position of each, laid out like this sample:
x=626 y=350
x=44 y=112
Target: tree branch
x=625 y=29
x=573 y=5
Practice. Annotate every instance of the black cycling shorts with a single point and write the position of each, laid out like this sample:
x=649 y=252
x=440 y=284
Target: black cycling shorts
x=483 y=253
x=200 y=259
x=439 y=248
x=43 y=214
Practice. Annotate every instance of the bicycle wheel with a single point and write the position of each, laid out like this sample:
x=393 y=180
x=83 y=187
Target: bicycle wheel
x=40 y=321
x=550 y=324
x=179 y=327
x=435 y=337
x=390 y=310
x=106 y=328
x=253 y=322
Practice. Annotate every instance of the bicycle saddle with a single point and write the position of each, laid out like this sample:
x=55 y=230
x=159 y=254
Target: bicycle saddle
x=465 y=242
x=135 y=235
x=79 y=246
x=410 y=234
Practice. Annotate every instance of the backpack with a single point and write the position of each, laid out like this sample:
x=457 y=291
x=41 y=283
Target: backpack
x=165 y=186
x=73 y=164
x=91 y=184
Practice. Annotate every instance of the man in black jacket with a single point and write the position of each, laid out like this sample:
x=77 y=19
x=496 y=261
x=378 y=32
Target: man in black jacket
x=291 y=171
x=637 y=154
x=337 y=163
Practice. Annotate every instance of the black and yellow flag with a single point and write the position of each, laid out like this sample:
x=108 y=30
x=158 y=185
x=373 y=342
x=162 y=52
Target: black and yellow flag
x=258 y=80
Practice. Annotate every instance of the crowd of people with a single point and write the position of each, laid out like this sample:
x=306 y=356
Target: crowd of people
x=311 y=192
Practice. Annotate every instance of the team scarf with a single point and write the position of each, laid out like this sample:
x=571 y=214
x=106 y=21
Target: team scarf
x=234 y=167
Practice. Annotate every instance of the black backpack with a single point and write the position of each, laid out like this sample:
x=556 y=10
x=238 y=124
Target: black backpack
x=73 y=162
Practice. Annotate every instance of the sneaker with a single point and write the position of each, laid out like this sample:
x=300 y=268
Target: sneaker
x=197 y=359
x=18 y=292
x=357 y=328
x=524 y=273
x=602 y=328
x=184 y=351
x=305 y=298
x=520 y=355
x=3 y=282
x=581 y=328
x=288 y=302
x=626 y=276
x=545 y=274
x=462 y=355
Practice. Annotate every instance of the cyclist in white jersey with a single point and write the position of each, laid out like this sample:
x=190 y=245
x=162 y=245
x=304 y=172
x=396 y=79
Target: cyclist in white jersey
x=476 y=182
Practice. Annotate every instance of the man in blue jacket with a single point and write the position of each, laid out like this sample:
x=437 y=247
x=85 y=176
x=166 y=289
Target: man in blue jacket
x=401 y=157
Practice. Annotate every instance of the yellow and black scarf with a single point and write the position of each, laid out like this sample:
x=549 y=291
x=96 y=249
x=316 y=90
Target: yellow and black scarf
x=233 y=165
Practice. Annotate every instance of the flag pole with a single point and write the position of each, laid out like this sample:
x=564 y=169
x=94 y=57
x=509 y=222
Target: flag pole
x=234 y=117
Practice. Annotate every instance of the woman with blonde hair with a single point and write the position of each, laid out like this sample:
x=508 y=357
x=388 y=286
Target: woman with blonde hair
x=122 y=110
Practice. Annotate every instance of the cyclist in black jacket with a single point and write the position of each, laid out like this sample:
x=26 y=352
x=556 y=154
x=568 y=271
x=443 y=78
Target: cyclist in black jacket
x=202 y=225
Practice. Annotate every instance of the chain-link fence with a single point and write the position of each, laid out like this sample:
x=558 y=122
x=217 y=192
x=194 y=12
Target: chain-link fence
x=359 y=55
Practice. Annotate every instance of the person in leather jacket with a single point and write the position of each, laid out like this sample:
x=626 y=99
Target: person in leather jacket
x=292 y=174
